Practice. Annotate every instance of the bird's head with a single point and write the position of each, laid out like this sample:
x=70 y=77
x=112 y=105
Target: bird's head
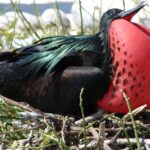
x=130 y=44
x=113 y=14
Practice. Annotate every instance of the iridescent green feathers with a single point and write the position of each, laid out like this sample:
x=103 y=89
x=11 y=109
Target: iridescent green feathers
x=47 y=52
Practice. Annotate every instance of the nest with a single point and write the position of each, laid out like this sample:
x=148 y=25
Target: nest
x=23 y=127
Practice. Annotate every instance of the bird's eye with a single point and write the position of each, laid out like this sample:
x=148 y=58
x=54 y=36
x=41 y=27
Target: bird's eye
x=112 y=12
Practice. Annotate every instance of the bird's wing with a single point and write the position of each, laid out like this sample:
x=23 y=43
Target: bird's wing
x=49 y=51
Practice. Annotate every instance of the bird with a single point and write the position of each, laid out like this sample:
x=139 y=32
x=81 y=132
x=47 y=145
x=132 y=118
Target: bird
x=50 y=73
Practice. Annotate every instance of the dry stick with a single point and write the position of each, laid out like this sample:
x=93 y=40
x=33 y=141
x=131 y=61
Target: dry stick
x=33 y=115
x=74 y=148
x=21 y=130
x=101 y=135
x=79 y=128
x=34 y=147
x=122 y=141
x=90 y=118
x=76 y=129
x=62 y=130
x=23 y=142
x=106 y=146
x=53 y=116
x=26 y=107
x=113 y=129
x=95 y=134
x=93 y=131
x=135 y=112
x=114 y=138
x=133 y=121
x=139 y=123
x=102 y=145
x=91 y=145
x=29 y=115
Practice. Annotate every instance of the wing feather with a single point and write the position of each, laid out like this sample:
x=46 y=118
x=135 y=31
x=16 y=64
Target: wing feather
x=49 y=51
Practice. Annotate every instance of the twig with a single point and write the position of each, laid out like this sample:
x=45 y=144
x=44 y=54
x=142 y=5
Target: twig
x=34 y=147
x=26 y=107
x=78 y=129
x=22 y=142
x=54 y=116
x=21 y=130
x=115 y=137
x=29 y=115
x=101 y=135
x=122 y=141
x=74 y=148
x=30 y=137
x=135 y=112
x=94 y=133
x=106 y=146
x=91 y=145
x=91 y=118
x=62 y=130
x=113 y=129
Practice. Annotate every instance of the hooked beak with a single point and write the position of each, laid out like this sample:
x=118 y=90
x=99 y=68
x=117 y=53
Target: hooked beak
x=130 y=13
